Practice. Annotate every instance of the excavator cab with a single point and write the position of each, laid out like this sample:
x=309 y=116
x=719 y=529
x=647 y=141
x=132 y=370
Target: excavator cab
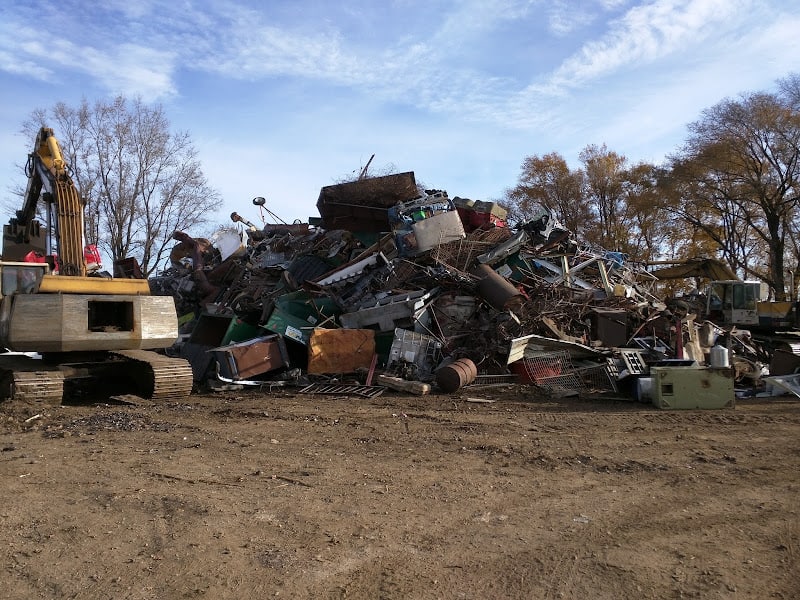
x=733 y=302
x=21 y=277
x=739 y=303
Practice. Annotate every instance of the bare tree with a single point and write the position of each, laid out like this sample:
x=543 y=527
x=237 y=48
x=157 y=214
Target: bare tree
x=140 y=181
x=741 y=164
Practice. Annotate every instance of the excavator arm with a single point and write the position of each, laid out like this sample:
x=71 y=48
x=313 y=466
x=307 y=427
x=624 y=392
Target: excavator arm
x=708 y=268
x=48 y=180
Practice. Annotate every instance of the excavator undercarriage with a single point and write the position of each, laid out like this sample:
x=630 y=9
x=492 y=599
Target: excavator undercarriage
x=57 y=380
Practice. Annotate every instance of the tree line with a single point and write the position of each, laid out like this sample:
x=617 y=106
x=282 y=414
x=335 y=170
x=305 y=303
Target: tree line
x=730 y=191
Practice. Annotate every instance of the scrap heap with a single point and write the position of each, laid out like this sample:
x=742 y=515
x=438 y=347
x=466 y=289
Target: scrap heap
x=391 y=288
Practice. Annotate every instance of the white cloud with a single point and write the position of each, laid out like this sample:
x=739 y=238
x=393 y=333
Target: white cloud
x=471 y=19
x=275 y=51
x=613 y=4
x=126 y=68
x=646 y=33
x=564 y=17
x=19 y=66
x=134 y=10
x=136 y=70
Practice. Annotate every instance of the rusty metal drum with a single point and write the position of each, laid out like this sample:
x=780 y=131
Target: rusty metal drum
x=456 y=375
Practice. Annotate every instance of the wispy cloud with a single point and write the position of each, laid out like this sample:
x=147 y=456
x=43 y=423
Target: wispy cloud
x=471 y=20
x=260 y=48
x=12 y=63
x=124 y=67
x=268 y=50
x=646 y=33
x=414 y=70
x=651 y=37
x=420 y=67
x=564 y=17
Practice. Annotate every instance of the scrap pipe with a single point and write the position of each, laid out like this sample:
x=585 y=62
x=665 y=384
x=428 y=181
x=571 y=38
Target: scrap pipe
x=498 y=291
x=236 y=218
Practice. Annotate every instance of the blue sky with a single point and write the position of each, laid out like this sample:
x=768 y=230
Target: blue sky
x=282 y=98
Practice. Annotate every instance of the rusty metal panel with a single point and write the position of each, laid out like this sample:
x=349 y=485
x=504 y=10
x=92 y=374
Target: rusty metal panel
x=362 y=205
x=340 y=350
x=243 y=360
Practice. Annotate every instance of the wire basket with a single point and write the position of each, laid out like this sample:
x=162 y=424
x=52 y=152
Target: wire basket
x=552 y=371
x=598 y=377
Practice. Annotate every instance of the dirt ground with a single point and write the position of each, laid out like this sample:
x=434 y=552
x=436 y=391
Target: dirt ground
x=257 y=495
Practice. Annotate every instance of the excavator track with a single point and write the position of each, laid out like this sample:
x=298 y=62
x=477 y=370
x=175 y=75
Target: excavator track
x=27 y=380
x=154 y=376
x=39 y=386
x=168 y=377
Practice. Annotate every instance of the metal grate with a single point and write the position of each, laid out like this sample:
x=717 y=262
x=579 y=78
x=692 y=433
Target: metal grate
x=634 y=361
x=366 y=391
x=553 y=371
x=495 y=379
x=598 y=377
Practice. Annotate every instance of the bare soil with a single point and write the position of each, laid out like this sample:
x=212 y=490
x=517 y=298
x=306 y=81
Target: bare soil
x=259 y=495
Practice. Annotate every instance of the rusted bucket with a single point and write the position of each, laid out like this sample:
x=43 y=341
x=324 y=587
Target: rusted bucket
x=456 y=375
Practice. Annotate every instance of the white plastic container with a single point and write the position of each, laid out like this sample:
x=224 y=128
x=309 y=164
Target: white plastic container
x=719 y=357
x=229 y=242
x=643 y=392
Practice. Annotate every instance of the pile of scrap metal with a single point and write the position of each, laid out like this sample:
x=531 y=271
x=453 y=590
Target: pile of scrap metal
x=393 y=288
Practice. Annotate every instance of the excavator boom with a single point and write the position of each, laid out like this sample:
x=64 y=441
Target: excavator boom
x=49 y=181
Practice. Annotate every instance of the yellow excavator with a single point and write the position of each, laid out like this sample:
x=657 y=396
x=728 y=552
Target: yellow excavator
x=69 y=335
x=731 y=302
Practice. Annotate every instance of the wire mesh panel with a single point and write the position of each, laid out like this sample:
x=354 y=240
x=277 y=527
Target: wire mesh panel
x=552 y=371
x=460 y=254
x=598 y=377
